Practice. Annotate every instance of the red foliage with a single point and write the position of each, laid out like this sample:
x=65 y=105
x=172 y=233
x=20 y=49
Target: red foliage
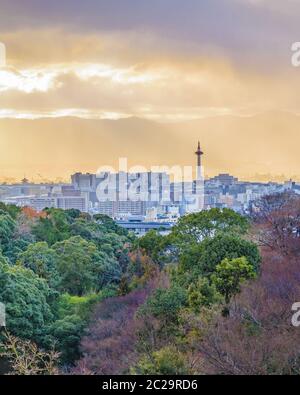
x=31 y=213
x=258 y=337
x=277 y=223
x=109 y=346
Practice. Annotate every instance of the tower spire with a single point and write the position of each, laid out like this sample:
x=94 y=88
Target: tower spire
x=199 y=153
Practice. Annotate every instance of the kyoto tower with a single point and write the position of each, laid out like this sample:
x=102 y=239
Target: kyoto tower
x=199 y=153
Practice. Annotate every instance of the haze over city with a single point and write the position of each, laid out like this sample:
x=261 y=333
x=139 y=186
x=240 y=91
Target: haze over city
x=85 y=85
x=149 y=192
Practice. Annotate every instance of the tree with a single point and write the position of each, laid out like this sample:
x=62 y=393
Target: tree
x=25 y=358
x=198 y=226
x=72 y=314
x=22 y=235
x=26 y=298
x=83 y=268
x=277 y=223
x=166 y=361
x=141 y=269
x=112 y=244
x=166 y=303
x=3 y=261
x=11 y=209
x=7 y=228
x=109 y=345
x=230 y=274
x=203 y=258
x=52 y=227
x=109 y=225
x=258 y=337
x=67 y=333
x=42 y=260
x=151 y=244
x=73 y=214
x=202 y=293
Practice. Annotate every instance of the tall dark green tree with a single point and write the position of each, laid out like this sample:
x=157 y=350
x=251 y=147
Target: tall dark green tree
x=26 y=298
x=83 y=268
x=230 y=274
x=54 y=227
x=203 y=258
x=42 y=260
x=7 y=229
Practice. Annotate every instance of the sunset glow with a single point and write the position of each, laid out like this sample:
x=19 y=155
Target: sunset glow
x=155 y=70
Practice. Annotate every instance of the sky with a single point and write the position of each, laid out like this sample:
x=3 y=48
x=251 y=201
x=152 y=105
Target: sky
x=168 y=61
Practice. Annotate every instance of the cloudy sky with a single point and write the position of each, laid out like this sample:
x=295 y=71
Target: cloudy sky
x=163 y=60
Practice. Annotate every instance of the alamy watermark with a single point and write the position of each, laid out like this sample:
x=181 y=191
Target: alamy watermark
x=160 y=184
x=296 y=316
x=295 y=59
x=2 y=315
x=2 y=55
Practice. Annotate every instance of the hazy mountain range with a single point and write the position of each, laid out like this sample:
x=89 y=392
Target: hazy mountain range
x=249 y=147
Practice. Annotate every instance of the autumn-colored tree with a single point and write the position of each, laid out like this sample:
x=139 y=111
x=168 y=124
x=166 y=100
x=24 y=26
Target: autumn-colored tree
x=141 y=269
x=277 y=223
x=31 y=213
x=257 y=337
x=109 y=346
x=25 y=358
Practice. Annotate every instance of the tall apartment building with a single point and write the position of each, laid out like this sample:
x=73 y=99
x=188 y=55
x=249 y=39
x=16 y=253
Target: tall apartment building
x=121 y=194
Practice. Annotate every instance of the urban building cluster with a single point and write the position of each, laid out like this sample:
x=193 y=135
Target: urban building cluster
x=143 y=201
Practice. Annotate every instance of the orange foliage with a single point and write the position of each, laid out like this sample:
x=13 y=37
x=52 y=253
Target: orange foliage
x=31 y=213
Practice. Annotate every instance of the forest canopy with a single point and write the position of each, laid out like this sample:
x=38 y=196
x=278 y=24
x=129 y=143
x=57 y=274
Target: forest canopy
x=95 y=299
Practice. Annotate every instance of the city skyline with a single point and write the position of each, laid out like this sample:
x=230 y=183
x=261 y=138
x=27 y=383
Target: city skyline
x=149 y=191
x=149 y=197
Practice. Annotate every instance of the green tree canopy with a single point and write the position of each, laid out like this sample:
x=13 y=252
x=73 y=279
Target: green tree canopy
x=152 y=243
x=230 y=274
x=11 y=209
x=83 y=268
x=42 y=260
x=54 y=227
x=203 y=258
x=198 y=226
x=109 y=225
x=165 y=303
x=7 y=228
x=202 y=293
x=26 y=299
x=67 y=333
x=166 y=361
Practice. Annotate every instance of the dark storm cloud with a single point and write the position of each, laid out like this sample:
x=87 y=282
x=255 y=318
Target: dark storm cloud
x=236 y=26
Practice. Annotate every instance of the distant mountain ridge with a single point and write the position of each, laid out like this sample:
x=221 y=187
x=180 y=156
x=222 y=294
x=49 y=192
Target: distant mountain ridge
x=265 y=143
